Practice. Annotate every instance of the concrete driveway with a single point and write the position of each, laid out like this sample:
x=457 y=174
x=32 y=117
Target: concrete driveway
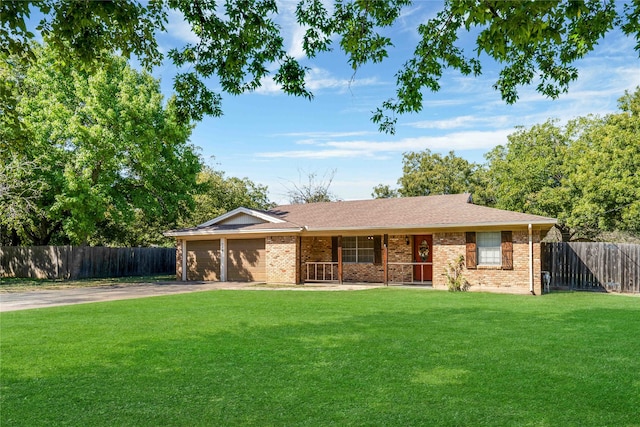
x=12 y=301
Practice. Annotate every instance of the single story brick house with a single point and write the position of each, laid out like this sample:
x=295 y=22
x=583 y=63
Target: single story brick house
x=407 y=240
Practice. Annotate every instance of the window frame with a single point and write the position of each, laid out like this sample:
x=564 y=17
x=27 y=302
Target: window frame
x=481 y=244
x=359 y=251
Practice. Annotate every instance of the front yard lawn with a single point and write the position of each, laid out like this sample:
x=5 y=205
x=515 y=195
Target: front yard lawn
x=379 y=357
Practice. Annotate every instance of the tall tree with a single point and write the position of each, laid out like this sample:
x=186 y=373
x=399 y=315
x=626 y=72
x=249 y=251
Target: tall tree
x=239 y=41
x=105 y=147
x=528 y=174
x=583 y=173
x=604 y=173
x=19 y=192
x=315 y=190
x=384 y=191
x=218 y=194
x=425 y=173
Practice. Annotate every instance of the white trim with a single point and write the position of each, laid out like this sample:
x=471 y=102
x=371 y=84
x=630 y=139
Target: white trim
x=358 y=250
x=256 y=214
x=184 y=260
x=227 y=232
x=223 y=259
x=390 y=229
x=431 y=226
x=530 y=259
x=479 y=248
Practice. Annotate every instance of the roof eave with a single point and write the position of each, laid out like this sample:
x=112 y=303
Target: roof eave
x=549 y=223
x=176 y=233
x=227 y=232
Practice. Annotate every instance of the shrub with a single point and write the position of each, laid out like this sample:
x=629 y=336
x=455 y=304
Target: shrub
x=456 y=282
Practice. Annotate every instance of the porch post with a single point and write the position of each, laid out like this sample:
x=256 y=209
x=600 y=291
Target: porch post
x=299 y=260
x=340 y=259
x=223 y=259
x=184 y=260
x=385 y=259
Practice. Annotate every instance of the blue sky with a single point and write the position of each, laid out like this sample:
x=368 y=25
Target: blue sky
x=274 y=139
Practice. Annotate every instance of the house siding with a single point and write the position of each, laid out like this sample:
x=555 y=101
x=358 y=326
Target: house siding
x=285 y=253
x=447 y=247
x=287 y=249
x=282 y=256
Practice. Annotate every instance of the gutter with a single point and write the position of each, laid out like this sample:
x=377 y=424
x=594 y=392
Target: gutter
x=230 y=232
x=308 y=229
x=430 y=226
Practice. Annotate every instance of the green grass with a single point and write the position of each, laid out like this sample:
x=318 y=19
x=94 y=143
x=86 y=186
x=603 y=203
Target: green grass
x=378 y=357
x=25 y=284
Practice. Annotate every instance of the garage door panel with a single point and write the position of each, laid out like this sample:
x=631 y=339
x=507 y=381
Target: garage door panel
x=246 y=260
x=203 y=260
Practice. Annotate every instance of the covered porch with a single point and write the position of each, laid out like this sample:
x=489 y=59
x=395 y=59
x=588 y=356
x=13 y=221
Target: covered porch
x=388 y=259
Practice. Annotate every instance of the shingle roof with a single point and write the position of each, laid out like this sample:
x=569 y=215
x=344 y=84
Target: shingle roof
x=442 y=211
x=404 y=212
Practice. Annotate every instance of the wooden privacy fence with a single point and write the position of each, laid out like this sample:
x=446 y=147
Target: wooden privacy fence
x=592 y=266
x=80 y=262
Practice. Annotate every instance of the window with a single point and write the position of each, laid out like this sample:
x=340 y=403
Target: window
x=489 y=244
x=358 y=249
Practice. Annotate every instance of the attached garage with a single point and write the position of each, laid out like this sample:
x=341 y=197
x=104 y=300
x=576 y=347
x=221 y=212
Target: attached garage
x=246 y=260
x=203 y=260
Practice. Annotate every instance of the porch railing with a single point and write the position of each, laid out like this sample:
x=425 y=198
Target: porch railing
x=403 y=272
x=321 y=272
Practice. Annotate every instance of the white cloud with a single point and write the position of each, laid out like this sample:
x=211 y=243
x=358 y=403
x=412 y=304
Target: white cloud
x=180 y=29
x=462 y=122
x=268 y=87
x=325 y=135
x=458 y=141
x=297 y=37
x=310 y=154
x=319 y=79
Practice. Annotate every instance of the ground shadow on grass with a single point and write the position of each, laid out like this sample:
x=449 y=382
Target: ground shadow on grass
x=476 y=365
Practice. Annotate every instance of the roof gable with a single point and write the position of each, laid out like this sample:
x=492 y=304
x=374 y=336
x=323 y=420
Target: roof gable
x=242 y=216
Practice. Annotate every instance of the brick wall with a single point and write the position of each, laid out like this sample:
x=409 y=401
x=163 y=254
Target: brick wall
x=282 y=254
x=365 y=273
x=318 y=249
x=447 y=247
x=399 y=251
x=315 y=249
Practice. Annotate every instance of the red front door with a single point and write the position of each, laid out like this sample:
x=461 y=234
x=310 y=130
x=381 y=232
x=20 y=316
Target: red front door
x=423 y=253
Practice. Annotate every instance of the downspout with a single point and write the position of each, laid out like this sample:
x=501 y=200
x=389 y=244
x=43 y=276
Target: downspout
x=531 y=260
